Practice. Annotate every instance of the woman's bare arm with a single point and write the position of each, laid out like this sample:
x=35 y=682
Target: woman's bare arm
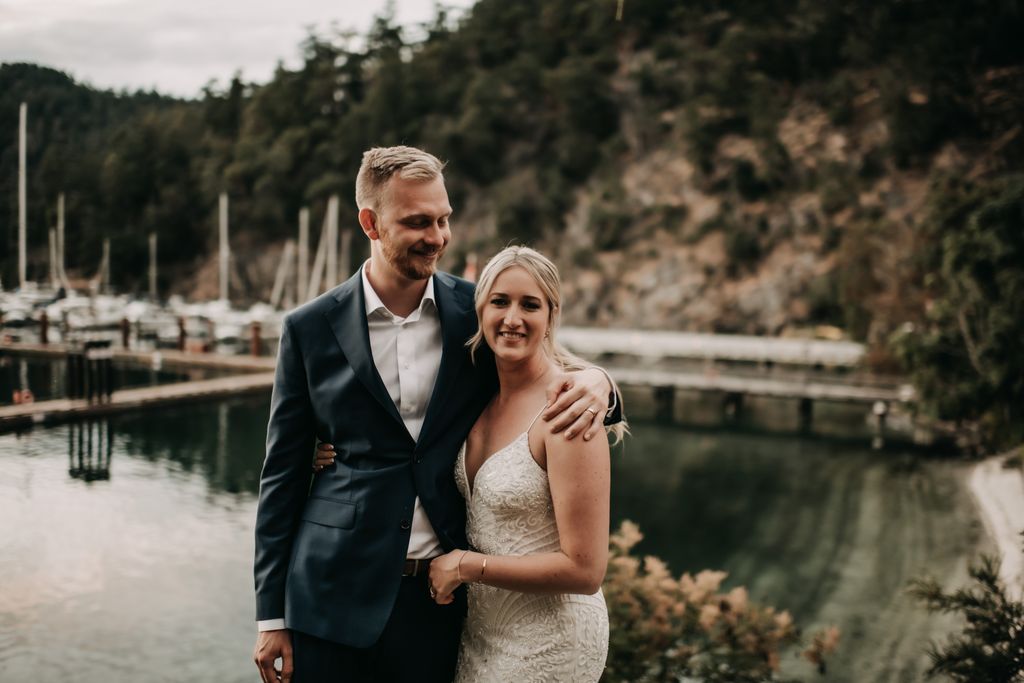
x=579 y=477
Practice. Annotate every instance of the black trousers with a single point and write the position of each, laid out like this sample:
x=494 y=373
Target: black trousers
x=420 y=644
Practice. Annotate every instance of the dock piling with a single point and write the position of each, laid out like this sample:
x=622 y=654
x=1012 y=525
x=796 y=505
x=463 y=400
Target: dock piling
x=664 y=403
x=806 y=413
x=255 y=343
x=733 y=404
x=880 y=411
x=181 y=333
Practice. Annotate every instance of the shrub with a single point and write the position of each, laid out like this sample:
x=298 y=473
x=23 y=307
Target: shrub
x=663 y=628
x=991 y=646
x=965 y=359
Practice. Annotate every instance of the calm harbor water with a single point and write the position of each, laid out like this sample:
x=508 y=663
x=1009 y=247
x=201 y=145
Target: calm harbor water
x=125 y=546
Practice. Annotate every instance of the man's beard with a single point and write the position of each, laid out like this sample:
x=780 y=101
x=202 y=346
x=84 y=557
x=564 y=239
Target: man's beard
x=406 y=263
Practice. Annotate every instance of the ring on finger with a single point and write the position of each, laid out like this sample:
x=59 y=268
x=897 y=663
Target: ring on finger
x=591 y=411
x=433 y=593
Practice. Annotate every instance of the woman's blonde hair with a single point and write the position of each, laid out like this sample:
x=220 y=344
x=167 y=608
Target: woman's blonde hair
x=545 y=274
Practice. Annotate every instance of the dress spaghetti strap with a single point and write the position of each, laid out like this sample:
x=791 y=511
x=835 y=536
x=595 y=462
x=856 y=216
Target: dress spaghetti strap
x=535 y=418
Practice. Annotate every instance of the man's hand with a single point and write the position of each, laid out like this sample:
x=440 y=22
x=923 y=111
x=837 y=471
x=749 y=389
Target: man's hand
x=270 y=645
x=578 y=401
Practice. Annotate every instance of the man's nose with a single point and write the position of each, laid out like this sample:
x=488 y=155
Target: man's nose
x=434 y=235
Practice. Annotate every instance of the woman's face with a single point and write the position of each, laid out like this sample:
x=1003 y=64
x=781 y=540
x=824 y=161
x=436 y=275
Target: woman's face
x=515 y=316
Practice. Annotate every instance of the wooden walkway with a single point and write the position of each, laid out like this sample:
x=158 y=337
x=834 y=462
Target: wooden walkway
x=65 y=410
x=163 y=358
x=794 y=388
x=249 y=375
x=637 y=354
x=657 y=345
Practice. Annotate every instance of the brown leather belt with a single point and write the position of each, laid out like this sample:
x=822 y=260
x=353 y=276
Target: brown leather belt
x=417 y=567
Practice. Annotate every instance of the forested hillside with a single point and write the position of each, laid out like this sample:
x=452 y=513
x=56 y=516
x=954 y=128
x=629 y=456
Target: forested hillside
x=753 y=166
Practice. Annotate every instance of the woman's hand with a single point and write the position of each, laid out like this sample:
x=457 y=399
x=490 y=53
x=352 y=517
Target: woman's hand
x=324 y=457
x=444 y=576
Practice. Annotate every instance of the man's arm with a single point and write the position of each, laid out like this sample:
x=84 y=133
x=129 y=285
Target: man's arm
x=284 y=487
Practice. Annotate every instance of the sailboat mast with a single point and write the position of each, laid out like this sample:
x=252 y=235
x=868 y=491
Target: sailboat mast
x=22 y=195
x=224 y=246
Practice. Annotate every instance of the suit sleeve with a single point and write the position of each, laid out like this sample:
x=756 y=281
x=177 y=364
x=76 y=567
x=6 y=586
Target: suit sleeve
x=614 y=415
x=286 y=476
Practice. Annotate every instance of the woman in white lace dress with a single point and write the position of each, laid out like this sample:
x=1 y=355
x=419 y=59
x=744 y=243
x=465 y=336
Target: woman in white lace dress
x=537 y=503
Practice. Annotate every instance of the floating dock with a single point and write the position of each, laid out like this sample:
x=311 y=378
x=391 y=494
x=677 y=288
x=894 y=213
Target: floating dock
x=655 y=345
x=162 y=358
x=250 y=375
x=26 y=415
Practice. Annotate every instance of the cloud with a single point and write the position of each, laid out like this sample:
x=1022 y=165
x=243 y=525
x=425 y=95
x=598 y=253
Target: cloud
x=176 y=45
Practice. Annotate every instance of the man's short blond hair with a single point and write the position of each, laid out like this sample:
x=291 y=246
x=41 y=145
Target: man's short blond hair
x=381 y=163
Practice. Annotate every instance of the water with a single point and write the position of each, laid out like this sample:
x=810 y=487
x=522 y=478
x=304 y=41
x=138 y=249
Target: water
x=136 y=566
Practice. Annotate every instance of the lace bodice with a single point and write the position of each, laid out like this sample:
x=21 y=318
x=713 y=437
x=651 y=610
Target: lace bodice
x=512 y=636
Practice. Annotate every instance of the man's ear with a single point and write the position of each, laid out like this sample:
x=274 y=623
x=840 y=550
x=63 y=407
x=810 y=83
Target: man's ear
x=368 y=222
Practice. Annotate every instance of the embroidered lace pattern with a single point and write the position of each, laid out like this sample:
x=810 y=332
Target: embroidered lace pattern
x=512 y=636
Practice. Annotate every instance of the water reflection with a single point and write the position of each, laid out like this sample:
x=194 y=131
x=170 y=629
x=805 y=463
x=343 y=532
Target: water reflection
x=111 y=576
x=90 y=448
x=223 y=442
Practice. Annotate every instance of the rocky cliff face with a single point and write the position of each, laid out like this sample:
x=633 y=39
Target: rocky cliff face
x=655 y=241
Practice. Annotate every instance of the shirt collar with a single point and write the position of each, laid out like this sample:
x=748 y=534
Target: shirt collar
x=375 y=305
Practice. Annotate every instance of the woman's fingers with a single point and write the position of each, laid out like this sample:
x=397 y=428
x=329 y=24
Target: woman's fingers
x=323 y=457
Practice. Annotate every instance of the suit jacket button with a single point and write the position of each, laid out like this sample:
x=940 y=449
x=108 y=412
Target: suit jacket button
x=419 y=459
x=405 y=525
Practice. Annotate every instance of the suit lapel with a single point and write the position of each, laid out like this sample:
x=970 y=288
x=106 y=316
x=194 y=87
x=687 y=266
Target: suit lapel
x=458 y=323
x=348 y=322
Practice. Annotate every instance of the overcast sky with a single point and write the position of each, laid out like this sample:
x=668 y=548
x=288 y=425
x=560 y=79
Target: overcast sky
x=177 y=46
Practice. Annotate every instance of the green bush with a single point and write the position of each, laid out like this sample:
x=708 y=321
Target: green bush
x=991 y=646
x=965 y=357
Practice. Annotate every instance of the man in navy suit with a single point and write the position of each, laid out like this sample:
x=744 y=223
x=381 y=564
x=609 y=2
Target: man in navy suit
x=379 y=368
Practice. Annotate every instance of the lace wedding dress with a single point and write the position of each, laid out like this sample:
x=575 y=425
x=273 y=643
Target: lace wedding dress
x=521 y=637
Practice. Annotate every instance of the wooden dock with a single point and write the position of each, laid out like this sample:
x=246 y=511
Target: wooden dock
x=164 y=358
x=654 y=345
x=26 y=415
x=734 y=366
x=249 y=375
x=814 y=389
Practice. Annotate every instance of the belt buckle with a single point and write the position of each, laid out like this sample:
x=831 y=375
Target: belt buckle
x=415 y=567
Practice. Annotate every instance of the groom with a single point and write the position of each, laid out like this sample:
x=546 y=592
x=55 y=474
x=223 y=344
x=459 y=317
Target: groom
x=379 y=368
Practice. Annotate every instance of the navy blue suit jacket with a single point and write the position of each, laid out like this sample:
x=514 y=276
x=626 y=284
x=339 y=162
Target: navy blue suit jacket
x=330 y=549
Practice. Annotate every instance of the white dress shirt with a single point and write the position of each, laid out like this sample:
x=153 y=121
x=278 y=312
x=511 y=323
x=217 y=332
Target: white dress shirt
x=407 y=354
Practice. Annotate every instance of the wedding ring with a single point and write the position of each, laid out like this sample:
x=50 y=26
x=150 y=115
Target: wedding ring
x=592 y=411
x=433 y=593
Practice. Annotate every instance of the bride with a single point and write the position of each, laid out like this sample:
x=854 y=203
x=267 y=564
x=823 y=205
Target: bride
x=537 y=503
